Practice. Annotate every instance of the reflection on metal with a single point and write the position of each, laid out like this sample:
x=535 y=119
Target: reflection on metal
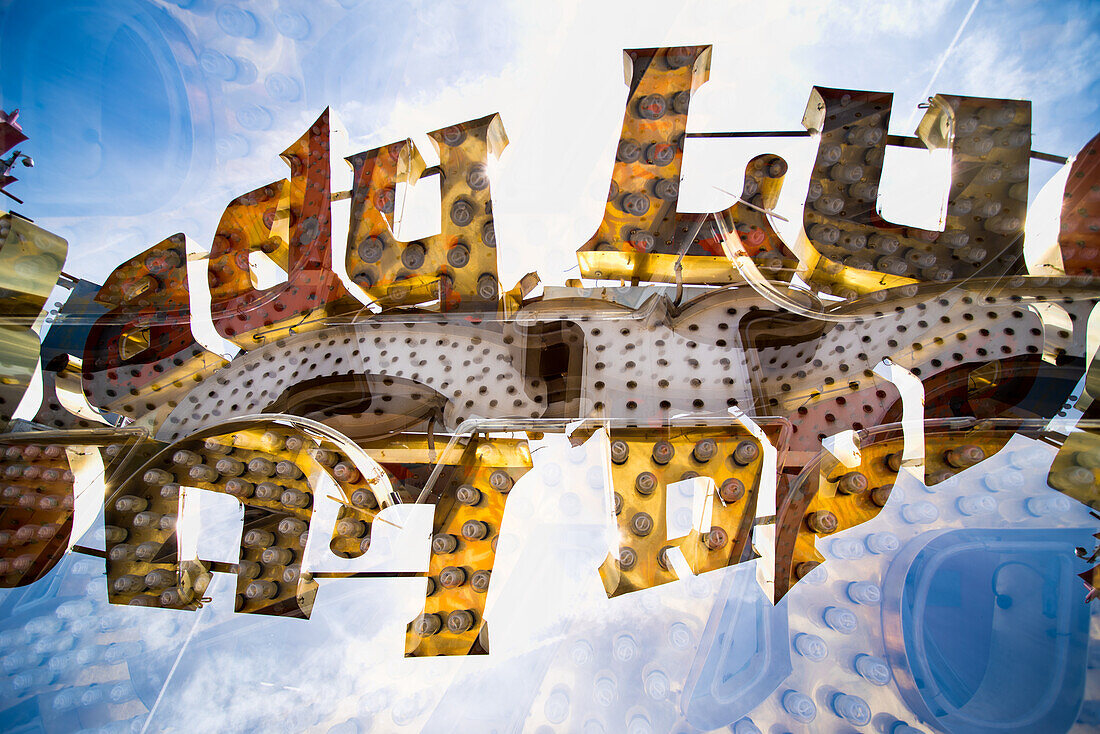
x=766 y=473
x=289 y=221
x=38 y=500
x=141 y=357
x=30 y=263
x=458 y=266
x=1079 y=235
x=1022 y=666
x=828 y=498
x=860 y=252
x=469 y=507
x=642 y=236
x=1074 y=471
x=650 y=471
x=273 y=469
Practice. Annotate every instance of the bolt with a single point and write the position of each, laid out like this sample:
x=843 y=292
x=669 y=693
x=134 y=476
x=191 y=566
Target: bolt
x=258 y=538
x=462 y=212
x=811 y=647
x=939 y=476
x=240 y=488
x=346 y=472
x=628 y=151
x=129 y=583
x=642 y=241
x=268 y=491
x=487 y=287
x=384 y=200
x=662 y=557
x=475 y=530
x=635 y=204
x=444 y=543
x=964 y=457
x=852 y=709
x=412 y=257
x=261 y=466
x=803 y=569
x=716 y=539
x=324 y=456
x=459 y=621
x=731 y=490
x=120 y=552
x=652 y=106
x=618 y=503
x=453 y=135
x=479 y=582
x=864 y=592
x=371 y=249
x=667 y=189
x=879 y=495
x=680 y=102
x=427 y=625
x=347 y=528
x=186 y=458
x=364 y=498
x=293 y=526
x=158 y=477
x=641 y=524
x=288 y=469
x=874 y=670
x=822 y=521
x=468 y=495
x=627 y=558
x=458 y=256
x=645 y=483
x=852 y=483
x=215 y=446
x=620 y=451
x=477 y=178
x=679 y=56
x=262 y=590
x=229 y=467
x=663 y=452
x=295 y=498
x=800 y=706
x=705 y=450
x=893 y=461
x=746 y=453
x=1073 y=478
x=130 y=503
x=501 y=481
x=276 y=556
x=452 y=577
x=660 y=154
x=1087 y=459
x=249 y=569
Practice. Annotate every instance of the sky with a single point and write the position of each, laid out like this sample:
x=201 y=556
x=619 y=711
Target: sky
x=147 y=118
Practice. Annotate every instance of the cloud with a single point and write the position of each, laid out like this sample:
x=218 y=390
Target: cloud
x=554 y=74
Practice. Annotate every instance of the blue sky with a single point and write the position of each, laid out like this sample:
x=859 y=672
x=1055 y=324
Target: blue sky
x=147 y=118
